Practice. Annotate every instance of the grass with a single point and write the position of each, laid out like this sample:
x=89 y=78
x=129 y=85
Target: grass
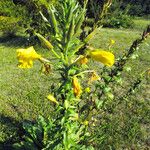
x=140 y=23
x=23 y=92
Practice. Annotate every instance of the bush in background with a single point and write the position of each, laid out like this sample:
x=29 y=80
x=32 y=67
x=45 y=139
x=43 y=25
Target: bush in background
x=137 y=7
x=9 y=26
x=118 y=21
x=118 y=17
x=12 y=17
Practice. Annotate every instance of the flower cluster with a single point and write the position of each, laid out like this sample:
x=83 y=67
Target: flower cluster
x=27 y=56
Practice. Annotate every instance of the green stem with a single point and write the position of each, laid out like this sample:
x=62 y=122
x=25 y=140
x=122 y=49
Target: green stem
x=55 y=54
x=86 y=71
x=66 y=52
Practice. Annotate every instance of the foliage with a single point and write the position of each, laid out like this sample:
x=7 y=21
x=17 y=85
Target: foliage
x=12 y=17
x=27 y=12
x=40 y=135
x=137 y=7
x=9 y=9
x=33 y=8
x=9 y=25
x=118 y=21
x=70 y=123
x=81 y=94
x=117 y=17
x=120 y=13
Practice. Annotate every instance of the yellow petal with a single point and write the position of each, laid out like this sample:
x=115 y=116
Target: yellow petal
x=86 y=122
x=76 y=87
x=107 y=58
x=112 y=42
x=26 y=57
x=94 y=77
x=88 y=90
x=83 y=60
x=28 y=64
x=52 y=98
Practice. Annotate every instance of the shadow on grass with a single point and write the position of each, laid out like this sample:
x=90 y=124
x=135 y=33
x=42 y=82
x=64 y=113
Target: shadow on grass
x=11 y=123
x=14 y=41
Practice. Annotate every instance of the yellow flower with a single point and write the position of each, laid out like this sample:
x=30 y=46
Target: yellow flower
x=52 y=98
x=82 y=60
x=76 y=87
x=107 y=58
x=85 y=122
x=26 y=57
x=94 y=77
x=112 y=42
x=88 y=90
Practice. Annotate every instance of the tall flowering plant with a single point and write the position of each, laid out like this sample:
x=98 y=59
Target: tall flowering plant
x=68 y=127
x=75 y=98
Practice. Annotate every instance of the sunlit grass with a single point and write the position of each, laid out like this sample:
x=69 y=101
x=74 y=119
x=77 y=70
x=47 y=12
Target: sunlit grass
x=140 y=23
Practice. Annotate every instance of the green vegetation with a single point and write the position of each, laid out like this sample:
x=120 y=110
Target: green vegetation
x=23 y=91
x=89 y=85
x=140 y=23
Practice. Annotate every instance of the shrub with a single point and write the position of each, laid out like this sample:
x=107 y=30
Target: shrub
x=9 y=25
x=118 y=21
x=118 y=17
x=9 y=9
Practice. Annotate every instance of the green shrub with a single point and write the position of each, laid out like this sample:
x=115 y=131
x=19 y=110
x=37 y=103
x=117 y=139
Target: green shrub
x=9 y=9
x=9 y=25
x=117 y=16
x=123 y=21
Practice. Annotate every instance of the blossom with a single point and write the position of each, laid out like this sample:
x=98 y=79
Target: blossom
x=26 y=57
x=86 y=122
x=87 y=89
x=52 y=98
x=112 y=42
x=94 y=77
x=107 y=58
x=82 y=60
x=76 y=87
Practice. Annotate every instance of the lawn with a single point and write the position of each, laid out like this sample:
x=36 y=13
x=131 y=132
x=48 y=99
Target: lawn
x=23 y=92
x=140 y=23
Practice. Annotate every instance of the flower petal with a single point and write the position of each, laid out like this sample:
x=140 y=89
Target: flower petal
x=26 y=57
x=107 y=58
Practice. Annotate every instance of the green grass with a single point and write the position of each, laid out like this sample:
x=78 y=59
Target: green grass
x=23 y=92
x=140 y=23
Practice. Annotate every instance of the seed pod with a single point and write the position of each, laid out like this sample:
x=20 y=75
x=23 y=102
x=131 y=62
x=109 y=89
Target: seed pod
x=53 y=21
x=71 y=30
x=44 y=41
x=76 y=87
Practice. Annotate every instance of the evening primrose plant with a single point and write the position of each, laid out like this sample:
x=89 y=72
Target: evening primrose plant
x=72 y=97
x=82 y=93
